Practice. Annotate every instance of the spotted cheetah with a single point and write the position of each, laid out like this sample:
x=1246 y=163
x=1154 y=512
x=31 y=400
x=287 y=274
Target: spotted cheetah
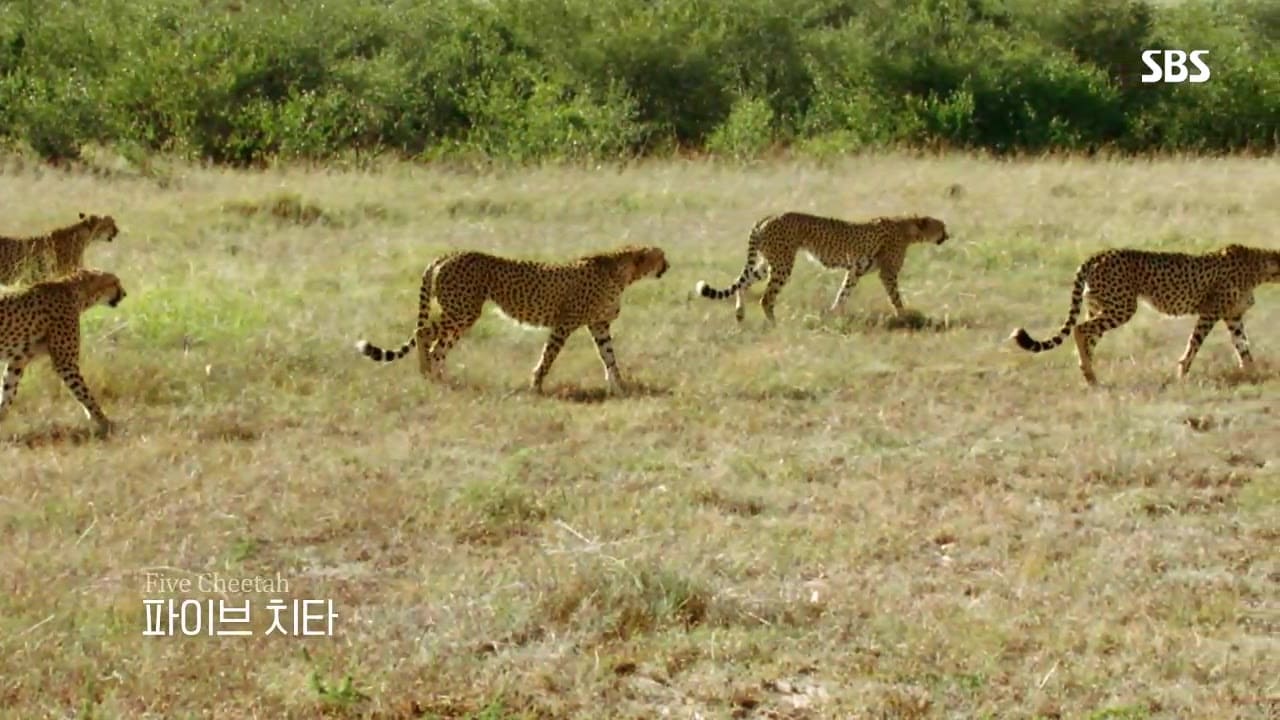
x=54 y=254
x=1215 y=286
x=560 y=296
x=44 y=318
x=857 y=247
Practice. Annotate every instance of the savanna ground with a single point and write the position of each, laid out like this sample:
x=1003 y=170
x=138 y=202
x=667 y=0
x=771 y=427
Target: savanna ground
x=833 y=518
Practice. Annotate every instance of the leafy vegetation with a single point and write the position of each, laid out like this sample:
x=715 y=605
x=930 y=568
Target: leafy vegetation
x=530 y=80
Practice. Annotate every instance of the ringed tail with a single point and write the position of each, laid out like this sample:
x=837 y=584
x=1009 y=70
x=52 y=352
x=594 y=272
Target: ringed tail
x=427 y=291
x=1024 y=339
x=749 y=272
x=377 y=354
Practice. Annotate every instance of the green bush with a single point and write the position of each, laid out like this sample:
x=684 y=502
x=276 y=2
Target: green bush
x=746 y=132
x=528 y=80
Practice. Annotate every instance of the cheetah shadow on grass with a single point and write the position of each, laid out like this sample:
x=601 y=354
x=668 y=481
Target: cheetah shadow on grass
x=1262 y=373
x=589 y=395
x=1165 y=380
x=909 y=321
x=788 y=393
x=54 y=435
x=227 y=431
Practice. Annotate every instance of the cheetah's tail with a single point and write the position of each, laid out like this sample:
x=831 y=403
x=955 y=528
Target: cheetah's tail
x=1024 y=339
x=378 y=354
x=425 y=293
x=750 y=273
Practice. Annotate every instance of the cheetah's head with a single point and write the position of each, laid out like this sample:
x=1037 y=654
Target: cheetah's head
x=103 y=287
x=645 y=261
x=931 y=230
x=659 y=261
x=101 y=227
x=1271 y=266
x=1265 y=264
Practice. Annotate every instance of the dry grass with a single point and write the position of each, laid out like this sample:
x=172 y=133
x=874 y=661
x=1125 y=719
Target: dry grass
x=835 y=518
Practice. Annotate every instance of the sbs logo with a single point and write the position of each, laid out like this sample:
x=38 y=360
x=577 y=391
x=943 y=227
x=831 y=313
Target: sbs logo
x=1174 y=68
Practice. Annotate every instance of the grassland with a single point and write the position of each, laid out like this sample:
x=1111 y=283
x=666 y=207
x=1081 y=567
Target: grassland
x=838 y=517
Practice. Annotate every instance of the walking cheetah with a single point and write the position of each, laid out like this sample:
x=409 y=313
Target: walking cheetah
x=45 y=319
x=54 y=254
x=1215 y=286
x=560 y=296
x=857 y=247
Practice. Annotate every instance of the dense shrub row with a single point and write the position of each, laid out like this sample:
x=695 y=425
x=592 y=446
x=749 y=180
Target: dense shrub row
x=535 y=79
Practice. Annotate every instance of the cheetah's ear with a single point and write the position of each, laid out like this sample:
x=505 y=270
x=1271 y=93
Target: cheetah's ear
x=81 y=216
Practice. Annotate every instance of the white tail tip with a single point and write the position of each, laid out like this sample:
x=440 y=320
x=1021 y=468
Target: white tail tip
x=361 y=345
x=702 y=285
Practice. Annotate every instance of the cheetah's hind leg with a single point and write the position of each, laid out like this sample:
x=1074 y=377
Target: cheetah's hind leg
x=429 y=362
x=555 y=343
x=757 y=273
x=12 y=378
x=1204 y=325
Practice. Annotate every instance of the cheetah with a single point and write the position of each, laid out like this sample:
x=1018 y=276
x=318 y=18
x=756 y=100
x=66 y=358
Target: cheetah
x=560 y=296
x=1215 y=286
x=44 y=318
x=856 y=247
x=54 y=254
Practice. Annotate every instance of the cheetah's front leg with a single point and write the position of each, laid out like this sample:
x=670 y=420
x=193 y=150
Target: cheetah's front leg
x=890 y=281
x=65 y=357
x=549 y=352
x=70 y=375
x=1203 y=326
x=604 y=346
x=1234 y=318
